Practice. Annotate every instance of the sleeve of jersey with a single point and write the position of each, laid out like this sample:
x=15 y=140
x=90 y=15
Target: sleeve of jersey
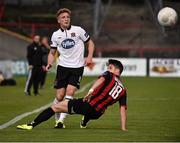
x=53 y=43
x=29 y=55
x=123 y=100
x=107 y=75
x=84 y=35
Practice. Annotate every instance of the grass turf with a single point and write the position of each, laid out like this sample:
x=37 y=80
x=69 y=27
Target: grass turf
x=153 y=114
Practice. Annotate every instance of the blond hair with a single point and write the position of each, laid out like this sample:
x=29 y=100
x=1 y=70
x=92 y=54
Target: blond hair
x=63 y=10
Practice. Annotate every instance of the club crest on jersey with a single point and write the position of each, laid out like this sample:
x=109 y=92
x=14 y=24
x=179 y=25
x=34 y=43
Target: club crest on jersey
x=68 y=43
x=73 y=34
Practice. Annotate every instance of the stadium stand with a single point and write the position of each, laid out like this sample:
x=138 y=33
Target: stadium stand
x=129 y=28
x=13 y=46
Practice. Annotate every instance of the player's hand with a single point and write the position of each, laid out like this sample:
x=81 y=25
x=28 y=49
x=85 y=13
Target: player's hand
x=48 y=67
x=87 y=98
x=30 y=67
x=88 y=95
x=88 y=61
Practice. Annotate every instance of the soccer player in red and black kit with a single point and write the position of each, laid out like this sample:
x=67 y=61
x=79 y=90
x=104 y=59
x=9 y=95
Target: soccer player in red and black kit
x=107 y=90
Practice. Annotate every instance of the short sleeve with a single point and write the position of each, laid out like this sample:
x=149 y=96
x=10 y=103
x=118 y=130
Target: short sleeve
x=123 y=100
x=84 y=35
x=107 y=75
x=53 y=43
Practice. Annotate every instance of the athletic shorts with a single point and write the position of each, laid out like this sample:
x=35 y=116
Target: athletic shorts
x=65 y=76
x=78 y=106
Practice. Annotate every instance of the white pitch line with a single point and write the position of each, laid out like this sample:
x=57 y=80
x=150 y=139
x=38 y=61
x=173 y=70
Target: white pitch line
x=17 y=118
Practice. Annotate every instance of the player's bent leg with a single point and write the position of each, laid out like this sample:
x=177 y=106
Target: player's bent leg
x=70 y=90
x=43 y=116
x=60 y=107
x=60 y=122
x=57 y=115
x=60 y=93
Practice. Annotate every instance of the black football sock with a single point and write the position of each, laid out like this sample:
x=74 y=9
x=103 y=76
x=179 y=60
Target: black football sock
x=43 y=116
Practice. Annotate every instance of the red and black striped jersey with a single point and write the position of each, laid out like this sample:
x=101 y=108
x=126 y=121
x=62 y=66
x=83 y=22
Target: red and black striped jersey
x=109 y=92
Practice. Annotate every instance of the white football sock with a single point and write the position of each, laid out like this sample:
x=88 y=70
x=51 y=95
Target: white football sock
x=57 y=115
x=64 y=115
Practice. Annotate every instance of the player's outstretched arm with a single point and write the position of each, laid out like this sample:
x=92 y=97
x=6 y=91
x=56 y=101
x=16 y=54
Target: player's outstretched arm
x=94 y=86
x=123 y=117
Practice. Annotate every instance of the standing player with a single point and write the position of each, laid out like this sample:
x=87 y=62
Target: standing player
x=34 y=57
x=69 y=42
x=106 y=91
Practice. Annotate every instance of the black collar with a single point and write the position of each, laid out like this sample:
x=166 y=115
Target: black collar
x=67 y=28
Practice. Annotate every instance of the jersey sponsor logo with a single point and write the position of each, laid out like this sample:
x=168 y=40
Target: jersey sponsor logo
x=68 y=43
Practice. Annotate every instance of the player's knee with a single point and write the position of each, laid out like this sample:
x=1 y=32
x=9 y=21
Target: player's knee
x=59 y=96
x=70 y=91
x=55 y=108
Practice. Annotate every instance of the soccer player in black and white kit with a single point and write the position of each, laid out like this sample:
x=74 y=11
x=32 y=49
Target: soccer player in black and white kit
x=107 y=90
x=68 y=41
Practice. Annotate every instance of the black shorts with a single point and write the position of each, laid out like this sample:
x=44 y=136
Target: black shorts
x=65 y=76
x=77 y=106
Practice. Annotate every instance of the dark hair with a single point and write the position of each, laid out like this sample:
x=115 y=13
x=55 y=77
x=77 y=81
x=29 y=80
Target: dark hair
x=62 y=10
x=117 y=64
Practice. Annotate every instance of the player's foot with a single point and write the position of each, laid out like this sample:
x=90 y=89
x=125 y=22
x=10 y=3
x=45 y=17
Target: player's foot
x=36 y=94
x=25 y=127
x=41 y=86
x=59 y=125
x=27 y=93
x=83 y=124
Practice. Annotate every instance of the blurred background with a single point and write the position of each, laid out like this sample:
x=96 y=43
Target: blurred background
x=119 y=28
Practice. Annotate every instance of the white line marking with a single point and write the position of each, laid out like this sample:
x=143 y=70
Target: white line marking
x=17 y=118
x=148 y=99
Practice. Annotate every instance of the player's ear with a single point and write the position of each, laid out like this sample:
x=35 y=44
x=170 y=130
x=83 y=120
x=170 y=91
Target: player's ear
x=58 y=20
x=110 y=66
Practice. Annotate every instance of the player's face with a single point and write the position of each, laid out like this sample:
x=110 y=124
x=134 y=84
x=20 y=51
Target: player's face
x=64 y=20
x=113 y=69
x=36 y=39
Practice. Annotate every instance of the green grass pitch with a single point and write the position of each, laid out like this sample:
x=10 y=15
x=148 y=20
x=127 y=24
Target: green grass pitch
x=153 y=114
